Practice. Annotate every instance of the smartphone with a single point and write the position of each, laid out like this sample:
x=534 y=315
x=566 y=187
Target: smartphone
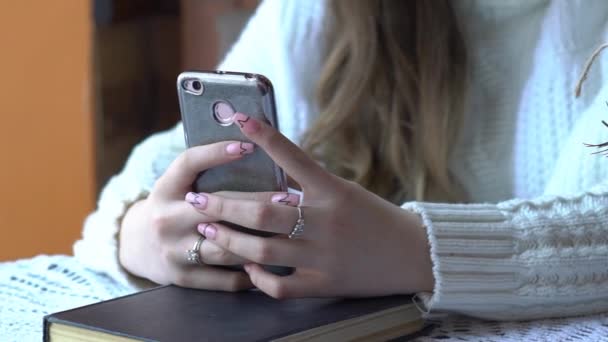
x=208 y=101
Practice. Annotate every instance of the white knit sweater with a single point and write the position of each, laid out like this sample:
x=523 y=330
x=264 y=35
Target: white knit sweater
x=535 y=244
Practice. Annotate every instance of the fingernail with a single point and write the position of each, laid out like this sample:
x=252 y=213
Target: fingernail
x=287 y=199
x=208 y=230
x=197 y=200
x=247 y=123
x=241 y=148
x=247 y=267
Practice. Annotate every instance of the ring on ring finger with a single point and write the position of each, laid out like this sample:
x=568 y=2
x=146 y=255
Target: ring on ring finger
x=194 y=255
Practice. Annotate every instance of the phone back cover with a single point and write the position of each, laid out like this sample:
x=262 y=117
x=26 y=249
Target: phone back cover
x=247 y=93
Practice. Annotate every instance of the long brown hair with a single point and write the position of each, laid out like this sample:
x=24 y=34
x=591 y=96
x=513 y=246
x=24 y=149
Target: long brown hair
x=391 y=96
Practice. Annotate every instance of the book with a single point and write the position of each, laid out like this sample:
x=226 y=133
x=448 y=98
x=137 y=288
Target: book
x=171 y=313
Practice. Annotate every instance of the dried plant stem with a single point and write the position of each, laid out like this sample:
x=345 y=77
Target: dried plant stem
x=579 y=84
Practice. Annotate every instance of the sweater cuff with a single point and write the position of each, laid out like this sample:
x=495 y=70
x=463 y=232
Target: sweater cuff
x=472 y=248
x=98 y=249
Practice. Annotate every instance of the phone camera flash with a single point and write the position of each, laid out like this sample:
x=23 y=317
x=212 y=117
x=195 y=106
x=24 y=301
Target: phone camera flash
x=223 y=113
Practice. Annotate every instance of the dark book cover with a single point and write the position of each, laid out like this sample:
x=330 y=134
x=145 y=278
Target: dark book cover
x=171 y=313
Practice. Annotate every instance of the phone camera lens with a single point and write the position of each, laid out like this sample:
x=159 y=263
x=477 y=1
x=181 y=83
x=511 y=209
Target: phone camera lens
x=193 y=86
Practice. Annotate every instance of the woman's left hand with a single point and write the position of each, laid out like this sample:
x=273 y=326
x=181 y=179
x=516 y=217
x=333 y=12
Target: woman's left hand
x=354 y=243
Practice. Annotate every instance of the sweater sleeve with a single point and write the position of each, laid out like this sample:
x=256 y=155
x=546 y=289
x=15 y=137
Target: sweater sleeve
x=519 y=259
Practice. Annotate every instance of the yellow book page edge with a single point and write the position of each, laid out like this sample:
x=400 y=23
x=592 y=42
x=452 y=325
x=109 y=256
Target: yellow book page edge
x=68 y=333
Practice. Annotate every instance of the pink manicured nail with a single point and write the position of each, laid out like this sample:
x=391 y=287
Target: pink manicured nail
x=247 y=123
x=208 y=230
x=287 y=199
x=241 y=148
x=197 y=200
x=247 y=267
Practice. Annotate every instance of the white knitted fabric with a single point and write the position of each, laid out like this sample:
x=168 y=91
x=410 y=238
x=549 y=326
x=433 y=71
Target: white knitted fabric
x=32 y=288
x=534 y=242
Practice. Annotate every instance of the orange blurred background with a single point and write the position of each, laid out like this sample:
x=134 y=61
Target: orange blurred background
x=46 y=179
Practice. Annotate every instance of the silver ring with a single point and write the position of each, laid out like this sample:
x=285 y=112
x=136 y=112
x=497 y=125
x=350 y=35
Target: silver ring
x=298 y=228
x=194 y=255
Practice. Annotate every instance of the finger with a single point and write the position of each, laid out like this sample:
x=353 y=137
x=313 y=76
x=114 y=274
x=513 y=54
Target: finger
x=286 y=154
x=212 y=254
x=211 y=278
x=269 y=251
x=179 y=219
x=182 y=172
x=296 y=285
x=269 y=197
x=251 y=214
x=209 y=253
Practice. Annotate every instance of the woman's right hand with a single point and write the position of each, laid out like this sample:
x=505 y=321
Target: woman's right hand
x=156 y=232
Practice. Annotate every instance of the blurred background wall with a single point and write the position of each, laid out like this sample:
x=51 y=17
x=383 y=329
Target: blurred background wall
x=46 y=148
x=81 y=82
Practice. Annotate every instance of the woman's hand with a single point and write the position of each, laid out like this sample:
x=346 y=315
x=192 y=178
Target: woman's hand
x=157 y=232
x=354 y=243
